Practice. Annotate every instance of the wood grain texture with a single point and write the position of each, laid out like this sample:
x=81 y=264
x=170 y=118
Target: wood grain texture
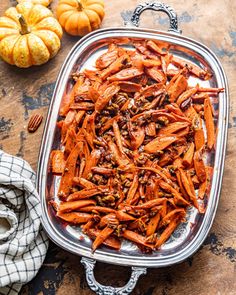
x=212 y=270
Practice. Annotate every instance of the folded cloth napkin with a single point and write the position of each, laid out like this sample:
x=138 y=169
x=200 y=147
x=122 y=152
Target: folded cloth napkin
x=23 y=244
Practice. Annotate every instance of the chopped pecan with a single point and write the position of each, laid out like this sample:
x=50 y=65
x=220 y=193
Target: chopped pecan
x=34 y=122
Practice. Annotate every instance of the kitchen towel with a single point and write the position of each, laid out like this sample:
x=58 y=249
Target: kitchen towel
x=23 y=244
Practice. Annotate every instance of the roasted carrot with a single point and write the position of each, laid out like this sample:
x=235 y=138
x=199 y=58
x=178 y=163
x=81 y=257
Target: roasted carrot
x=58 y=162
x=160 y=143
x=199 y=138
x=188 y=188
x=84 y=183
x=199 y=166
x=75 y=217
x=208 y=115
x=110 y=241
x=72 y=206
x=188 y=156
x=153 y=224
x=69 y=172
x=103 y=235
x=167 y=232
x=134 y=237
x=84 y=194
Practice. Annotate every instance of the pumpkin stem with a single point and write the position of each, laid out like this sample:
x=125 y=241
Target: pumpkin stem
x=80 y=6
x=24 y=28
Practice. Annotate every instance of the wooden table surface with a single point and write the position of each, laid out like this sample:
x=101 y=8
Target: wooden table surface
x=212 y=270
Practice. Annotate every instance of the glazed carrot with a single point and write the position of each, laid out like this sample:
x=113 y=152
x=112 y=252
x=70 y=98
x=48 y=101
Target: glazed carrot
x=142 y=47
x=199 y=138
x=107 y=219
x=191 y=185
x=168 y=218
x=84 y=183
x=203 y=89
x=74 y=217
x=103 y=100
x=94 y=158
x=159 y=143
x=126 y=74
x=70 y=140
x=133 y=189
x=149 y=63
x=156 y=74
x=134 y=237
x=188 y=156
x=58 y=162
x=199 y=166
x=154 y=47
x=109 y=241
x=103 y=171
x=109 y=123
x=118 y=136
x=84 y=194
x=88 y=225
x=167 y=232
x=178 y=199
x=97 y=209
x=107 y=58
x=153 y=224
x=136 y=136
x=129 y=86
x=173 y=128
x=179 y=86
x=150 y=204
x=67 y=123
x=188 y=188
x=150 y=129
x=208 y=115
x=69 y=171
x=197 y=71
x=74 y=205
x=122 y=216
x=186 y=95
x=121 y=160
x=103 y=235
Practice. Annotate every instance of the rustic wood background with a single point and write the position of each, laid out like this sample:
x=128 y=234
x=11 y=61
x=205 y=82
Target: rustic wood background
x=212 y=270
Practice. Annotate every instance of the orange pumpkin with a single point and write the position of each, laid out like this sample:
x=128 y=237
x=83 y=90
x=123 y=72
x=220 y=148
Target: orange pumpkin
x=80 y=17
x=29 y=35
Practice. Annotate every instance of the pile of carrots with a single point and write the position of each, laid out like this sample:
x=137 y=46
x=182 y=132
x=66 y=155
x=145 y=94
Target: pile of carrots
x=133 y=146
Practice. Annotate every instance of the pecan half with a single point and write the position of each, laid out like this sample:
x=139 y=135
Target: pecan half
x=34 y=122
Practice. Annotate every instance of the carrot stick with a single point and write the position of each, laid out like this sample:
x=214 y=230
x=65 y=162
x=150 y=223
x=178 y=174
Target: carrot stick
x=188 y=156
x=133 y=189
x=103 y=235
x=199 y=166
x=208 y=115
x=110 y=241
x=134 y=237
x=74 y=205
x=84 y=194
x=74 y=217
x=69 y=171
x=84 y=183
x=159 y=143
x=187 y=187
x=167 y=232
x=153 y=224
x=58 y=162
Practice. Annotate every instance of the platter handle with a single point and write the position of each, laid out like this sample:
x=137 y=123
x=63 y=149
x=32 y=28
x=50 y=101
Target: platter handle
x=157 y=6
x=100 y=289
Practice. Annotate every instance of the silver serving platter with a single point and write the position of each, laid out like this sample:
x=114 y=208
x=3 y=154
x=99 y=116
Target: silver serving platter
x=189 y=236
